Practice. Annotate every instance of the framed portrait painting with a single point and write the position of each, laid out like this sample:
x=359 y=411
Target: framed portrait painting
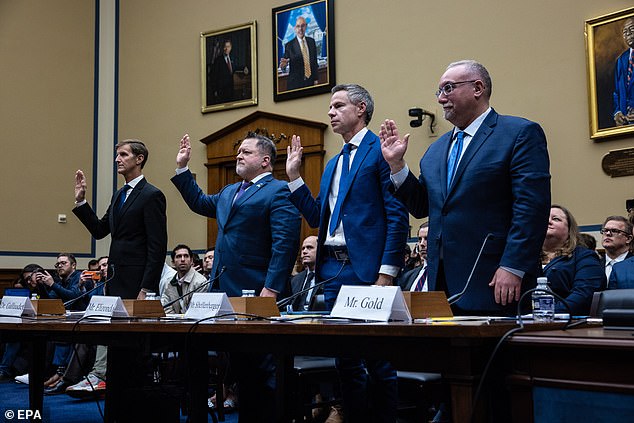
x=609 y=44
x=303 y=49
x=229 y=68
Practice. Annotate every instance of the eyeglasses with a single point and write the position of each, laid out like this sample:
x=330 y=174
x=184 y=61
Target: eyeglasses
x=611 y=231
x=450 y=86
x=60 y=264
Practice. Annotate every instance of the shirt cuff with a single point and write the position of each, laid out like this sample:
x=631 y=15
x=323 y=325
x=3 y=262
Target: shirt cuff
x=516 y=272
x=296 y=184
x=387 y=269
x=399 y=177
x=81 y=203
x=182 y=170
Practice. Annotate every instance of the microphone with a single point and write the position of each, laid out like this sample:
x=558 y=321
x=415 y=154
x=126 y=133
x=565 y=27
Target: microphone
x=210 y=281
x=99 y=285
x=455 y=298
x=290 y=298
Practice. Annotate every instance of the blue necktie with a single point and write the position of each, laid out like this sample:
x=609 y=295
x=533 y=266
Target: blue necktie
x=122 y=195
x=345 y=170
x=454 y=156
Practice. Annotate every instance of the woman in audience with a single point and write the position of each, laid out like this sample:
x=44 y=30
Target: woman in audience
x=574 y=272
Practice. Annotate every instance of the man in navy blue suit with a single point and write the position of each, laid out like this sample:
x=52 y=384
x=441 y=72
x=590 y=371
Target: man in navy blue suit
x=257 y=214
x=486 y=182
x=623 y=96
x=362 y=230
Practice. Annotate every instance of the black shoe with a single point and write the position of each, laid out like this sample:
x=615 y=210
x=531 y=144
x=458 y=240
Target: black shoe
x=58 y=388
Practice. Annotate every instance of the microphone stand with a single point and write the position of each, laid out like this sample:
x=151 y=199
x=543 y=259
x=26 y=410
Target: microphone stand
x=455 y=298
x=210 y=281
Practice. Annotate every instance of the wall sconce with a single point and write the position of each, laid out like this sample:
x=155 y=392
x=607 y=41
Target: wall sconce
x=420 y=114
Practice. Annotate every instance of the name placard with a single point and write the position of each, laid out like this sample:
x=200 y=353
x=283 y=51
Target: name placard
x=106 y=306
x=377 y=303
x=16 y=306
x=208 y=304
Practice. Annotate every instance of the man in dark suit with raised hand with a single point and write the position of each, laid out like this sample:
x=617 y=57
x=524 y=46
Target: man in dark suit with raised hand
x=488 y=178
x=137 y=222
x=258 y=237
x=362 y=230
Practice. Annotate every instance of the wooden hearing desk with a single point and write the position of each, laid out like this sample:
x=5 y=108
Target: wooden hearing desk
x=459 y=352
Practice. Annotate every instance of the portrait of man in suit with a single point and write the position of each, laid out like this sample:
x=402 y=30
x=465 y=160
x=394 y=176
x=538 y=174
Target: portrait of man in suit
x=623 y=111
x=223 y=74
x=300 y=55
x=136 y=220
x=485 y=185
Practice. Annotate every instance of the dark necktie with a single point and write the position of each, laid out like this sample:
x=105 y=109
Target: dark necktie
x=309 y=279
x=121 y=199
x=630 y=68
x=454 y=157
x=345 y=170
x=421 y=281
x=242 y=189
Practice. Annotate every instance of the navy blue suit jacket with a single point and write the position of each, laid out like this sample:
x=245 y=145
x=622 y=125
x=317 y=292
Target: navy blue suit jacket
x=575 y=279
x=622 y=275
x=623 y=96
x=501 y=187
x=375 y=224
x=258 y=236
x=293 y=52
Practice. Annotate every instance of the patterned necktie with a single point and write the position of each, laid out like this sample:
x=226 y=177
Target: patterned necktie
x=630 y=68
x=228 y=61
x=306 y=58
x=421 y=281
x=454 y=157
x=122 y=197
x=345 y=170
x=242 y=189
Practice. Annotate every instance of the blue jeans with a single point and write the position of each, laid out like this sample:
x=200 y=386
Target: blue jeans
x=369 y=387
x=11 y=350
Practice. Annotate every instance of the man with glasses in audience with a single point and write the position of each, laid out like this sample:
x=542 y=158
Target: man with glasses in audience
x=617 y=242
x=485 y=186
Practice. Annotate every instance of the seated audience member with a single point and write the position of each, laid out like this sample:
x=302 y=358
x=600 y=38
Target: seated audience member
x=306 y=278
x=622 y=276
x=588 y=241
x=574 y=272
x=167 y=274
x=617 y=242
x=66 y=286
x=82 y=356
x=208 y=262
x=13 y=361
x=95 y=381
x=186 y=280
x=416 y=279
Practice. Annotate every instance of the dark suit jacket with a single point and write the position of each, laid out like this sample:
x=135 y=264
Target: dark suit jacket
x=501 y=187
x=293 y=52
x=622 y=275
x=576 y=279
x=223 y=78
x=258 y=237
x=297 y=284
x=408 y=278
x=375 y=223
x=139 y=239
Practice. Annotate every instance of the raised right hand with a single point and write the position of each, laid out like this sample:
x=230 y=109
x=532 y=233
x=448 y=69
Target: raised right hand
x=294 y=158
x=392 y=147
x=184 y=153
x=80 y=186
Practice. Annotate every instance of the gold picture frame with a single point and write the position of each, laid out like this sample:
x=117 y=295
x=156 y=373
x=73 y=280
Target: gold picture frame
x=229 y=68
x=606 y=45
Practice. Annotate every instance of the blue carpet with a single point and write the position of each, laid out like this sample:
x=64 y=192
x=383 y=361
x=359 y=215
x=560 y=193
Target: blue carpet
x=14 y=398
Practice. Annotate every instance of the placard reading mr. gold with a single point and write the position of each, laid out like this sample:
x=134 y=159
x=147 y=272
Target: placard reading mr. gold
x=378 y=303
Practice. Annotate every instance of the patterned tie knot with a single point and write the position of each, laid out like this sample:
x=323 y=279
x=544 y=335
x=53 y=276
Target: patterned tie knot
x=347 y=148
x=245 y=185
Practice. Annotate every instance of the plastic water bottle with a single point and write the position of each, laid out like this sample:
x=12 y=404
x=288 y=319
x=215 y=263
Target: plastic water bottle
x=150 y=296
x=34 y=296
x=543 y=302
